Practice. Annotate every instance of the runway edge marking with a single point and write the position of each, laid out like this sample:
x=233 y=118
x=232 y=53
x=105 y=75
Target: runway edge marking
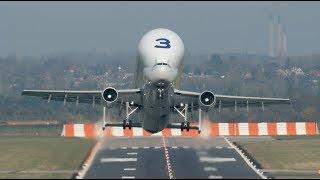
x=259 y=172
x=88 y=161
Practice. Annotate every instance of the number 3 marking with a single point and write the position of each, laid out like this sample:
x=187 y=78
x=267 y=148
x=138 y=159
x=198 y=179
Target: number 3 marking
x=164 y=43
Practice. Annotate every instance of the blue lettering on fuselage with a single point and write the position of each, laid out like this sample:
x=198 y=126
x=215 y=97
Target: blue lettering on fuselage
x=164 y=43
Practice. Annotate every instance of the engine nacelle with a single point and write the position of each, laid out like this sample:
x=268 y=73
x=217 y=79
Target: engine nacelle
x=110 y=95
x=207 y=100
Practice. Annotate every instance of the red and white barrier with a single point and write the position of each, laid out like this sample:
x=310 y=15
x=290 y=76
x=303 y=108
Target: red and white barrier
x=79 y=130
x=264 y=129
x=215 y=129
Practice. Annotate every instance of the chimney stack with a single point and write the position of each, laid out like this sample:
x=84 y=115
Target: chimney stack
x=271 y=35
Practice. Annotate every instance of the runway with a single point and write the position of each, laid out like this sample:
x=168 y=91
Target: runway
x=168 y=158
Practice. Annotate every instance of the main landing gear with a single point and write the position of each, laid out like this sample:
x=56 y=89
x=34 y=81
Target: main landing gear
x=126 y=124
x=185 y=125
x=130 y=109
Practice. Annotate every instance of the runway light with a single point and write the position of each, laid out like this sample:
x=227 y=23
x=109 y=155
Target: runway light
x=181 y=104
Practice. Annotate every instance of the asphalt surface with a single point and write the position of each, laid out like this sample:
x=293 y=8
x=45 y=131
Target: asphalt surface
x=170 y=157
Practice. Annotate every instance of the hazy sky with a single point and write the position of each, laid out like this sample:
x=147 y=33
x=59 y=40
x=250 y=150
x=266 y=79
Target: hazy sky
x=39 y=28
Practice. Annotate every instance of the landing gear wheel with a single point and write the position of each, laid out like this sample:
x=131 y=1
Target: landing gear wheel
x=124 y=124
x=130 y=124
x=188 y=126
x=182 y=126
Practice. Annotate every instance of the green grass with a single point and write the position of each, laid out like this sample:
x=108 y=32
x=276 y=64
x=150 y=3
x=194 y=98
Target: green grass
x=41 y=153
x=30 y=130
x=286 y=153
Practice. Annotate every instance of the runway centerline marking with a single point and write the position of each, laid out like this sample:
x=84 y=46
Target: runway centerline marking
x=132 y=153
x=147 y=147
x=216 y=159
x=157 y=147
x=167 y=158
x=123 y=147
x=174 y=147
x=106 y=160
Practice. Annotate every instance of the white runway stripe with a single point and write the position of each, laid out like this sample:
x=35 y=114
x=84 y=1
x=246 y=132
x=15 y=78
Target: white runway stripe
x=106 y=160
x=210 y=169
x=216 y=159
x=129 y=169
x=215 y=177
x=132 y=153
x=202 y=153
x=127 y=177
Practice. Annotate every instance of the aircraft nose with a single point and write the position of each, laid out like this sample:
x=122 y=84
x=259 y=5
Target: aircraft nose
x=161 y=73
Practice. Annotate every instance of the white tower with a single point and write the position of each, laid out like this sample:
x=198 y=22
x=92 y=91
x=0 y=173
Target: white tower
x=284 y=43
x=279 y=37
x=271 y=35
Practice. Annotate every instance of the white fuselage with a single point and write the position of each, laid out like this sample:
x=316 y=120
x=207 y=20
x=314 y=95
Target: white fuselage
x=158 y=72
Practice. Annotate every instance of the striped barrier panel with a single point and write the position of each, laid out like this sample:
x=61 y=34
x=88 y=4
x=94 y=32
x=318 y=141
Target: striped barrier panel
x=263 y=129
x=215 y=129
x=79 y=130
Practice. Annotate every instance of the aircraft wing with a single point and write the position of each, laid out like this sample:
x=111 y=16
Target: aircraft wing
x=86 y=96
x=228 y=101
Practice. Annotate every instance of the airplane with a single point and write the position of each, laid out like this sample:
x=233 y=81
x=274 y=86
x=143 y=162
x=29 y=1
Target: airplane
x=156 y=93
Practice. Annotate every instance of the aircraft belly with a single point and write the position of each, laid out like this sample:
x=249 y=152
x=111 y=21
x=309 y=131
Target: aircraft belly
x=156 y=107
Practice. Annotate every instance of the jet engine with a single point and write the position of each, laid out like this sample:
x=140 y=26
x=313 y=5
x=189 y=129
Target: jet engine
x=110 y=95
x=207 y=100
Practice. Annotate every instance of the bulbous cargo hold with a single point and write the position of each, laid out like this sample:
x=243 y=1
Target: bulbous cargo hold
x=160 y=58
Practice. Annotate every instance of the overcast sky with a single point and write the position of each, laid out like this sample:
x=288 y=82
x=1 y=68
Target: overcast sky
x=40 y=28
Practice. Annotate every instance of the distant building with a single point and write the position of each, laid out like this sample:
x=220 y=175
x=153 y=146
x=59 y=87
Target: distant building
x=277 y=38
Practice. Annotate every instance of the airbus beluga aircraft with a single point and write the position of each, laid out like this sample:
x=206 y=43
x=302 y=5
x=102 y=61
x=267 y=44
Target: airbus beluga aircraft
x=156 y=93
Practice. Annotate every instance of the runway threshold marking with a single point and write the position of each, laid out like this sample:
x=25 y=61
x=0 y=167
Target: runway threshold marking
x=202 y=153
x=129 y=169
x=167 y=158
x=215 y=177
x=216 y=159
x=127 y=177
x=210 y=169
x=106 y=160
